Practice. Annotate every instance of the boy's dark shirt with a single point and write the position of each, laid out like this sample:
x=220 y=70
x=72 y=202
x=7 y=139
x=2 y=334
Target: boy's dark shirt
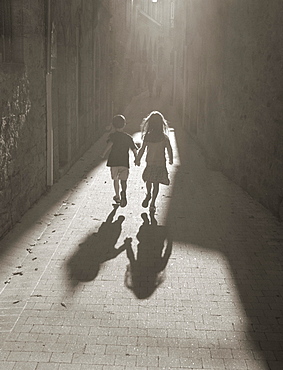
x=119 y=153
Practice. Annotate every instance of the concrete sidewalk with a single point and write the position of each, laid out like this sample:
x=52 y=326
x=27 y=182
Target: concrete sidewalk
x=204 y=290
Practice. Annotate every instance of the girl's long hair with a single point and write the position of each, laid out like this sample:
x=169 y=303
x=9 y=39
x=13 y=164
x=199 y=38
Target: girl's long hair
x=154 y=127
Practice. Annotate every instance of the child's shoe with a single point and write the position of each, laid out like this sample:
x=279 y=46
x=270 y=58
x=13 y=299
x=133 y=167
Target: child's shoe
x=116 y=199
x=123 y=202
x=146 y=200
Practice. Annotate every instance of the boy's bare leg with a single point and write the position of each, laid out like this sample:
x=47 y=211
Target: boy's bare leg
x=123 y=193
x=124 y=185
x=116 y=188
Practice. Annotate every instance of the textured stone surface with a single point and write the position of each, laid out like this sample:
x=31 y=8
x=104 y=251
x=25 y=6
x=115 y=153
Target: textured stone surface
x=68 y=304
x=234 y=91
x=22 y=131
x=79 y=111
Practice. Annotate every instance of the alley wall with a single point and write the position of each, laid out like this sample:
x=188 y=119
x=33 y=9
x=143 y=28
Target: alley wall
x=232 y=96
x=56 y=52
x=23 y=114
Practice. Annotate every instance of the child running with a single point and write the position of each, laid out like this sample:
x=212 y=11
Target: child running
x=155 y=138
x=118 y=160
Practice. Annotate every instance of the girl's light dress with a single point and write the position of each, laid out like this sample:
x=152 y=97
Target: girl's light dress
x=156 y=171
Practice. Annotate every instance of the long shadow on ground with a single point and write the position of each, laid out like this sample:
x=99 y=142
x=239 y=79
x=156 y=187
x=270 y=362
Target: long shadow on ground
x=99 y=247
x=146 y=271
x=237 y=242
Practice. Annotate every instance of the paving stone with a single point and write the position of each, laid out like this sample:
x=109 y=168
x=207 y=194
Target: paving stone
x=217 y=304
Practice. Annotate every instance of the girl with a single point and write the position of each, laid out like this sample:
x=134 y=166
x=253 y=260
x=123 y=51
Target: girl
x=154 y=130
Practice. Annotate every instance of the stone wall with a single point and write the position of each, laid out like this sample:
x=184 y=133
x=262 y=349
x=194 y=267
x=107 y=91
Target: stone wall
x=22 y=109
x=80 y=93
x=234 y=93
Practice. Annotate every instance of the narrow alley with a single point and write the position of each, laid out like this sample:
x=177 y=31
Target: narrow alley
x=86 y=284
x=203 y=293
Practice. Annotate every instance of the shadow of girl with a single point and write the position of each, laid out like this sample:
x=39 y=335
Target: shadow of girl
x=99 y=247
x=146 y=272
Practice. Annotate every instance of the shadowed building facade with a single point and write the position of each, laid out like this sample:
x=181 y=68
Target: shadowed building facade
x=56 y=95
x=67 y=67
x=229 y=90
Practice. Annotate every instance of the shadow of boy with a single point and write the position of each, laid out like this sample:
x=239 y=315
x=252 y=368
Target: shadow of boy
x=99 y=247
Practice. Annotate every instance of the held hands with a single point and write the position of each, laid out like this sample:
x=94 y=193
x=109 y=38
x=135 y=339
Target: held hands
x=138 y=162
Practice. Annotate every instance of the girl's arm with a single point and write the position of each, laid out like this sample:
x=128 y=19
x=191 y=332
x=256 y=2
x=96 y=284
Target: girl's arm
x=169 y=150
x=140 y=154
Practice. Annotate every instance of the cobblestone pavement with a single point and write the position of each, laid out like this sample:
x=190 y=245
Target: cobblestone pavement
x=198 y=286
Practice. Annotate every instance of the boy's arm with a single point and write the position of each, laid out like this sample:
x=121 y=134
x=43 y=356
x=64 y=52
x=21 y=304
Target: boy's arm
x=169 y=151
x=135 y=153
x=108 y=147
x=134 y=148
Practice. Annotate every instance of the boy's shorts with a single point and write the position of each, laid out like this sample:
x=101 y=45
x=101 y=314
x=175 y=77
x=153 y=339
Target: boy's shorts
x=119 y=173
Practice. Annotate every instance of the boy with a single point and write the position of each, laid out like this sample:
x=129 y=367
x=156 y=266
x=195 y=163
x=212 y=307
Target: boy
x=118 y=160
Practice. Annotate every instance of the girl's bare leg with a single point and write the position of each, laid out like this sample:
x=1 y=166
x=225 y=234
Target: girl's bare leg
x=154 y=193
x=148 y=188
x=148 y=194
